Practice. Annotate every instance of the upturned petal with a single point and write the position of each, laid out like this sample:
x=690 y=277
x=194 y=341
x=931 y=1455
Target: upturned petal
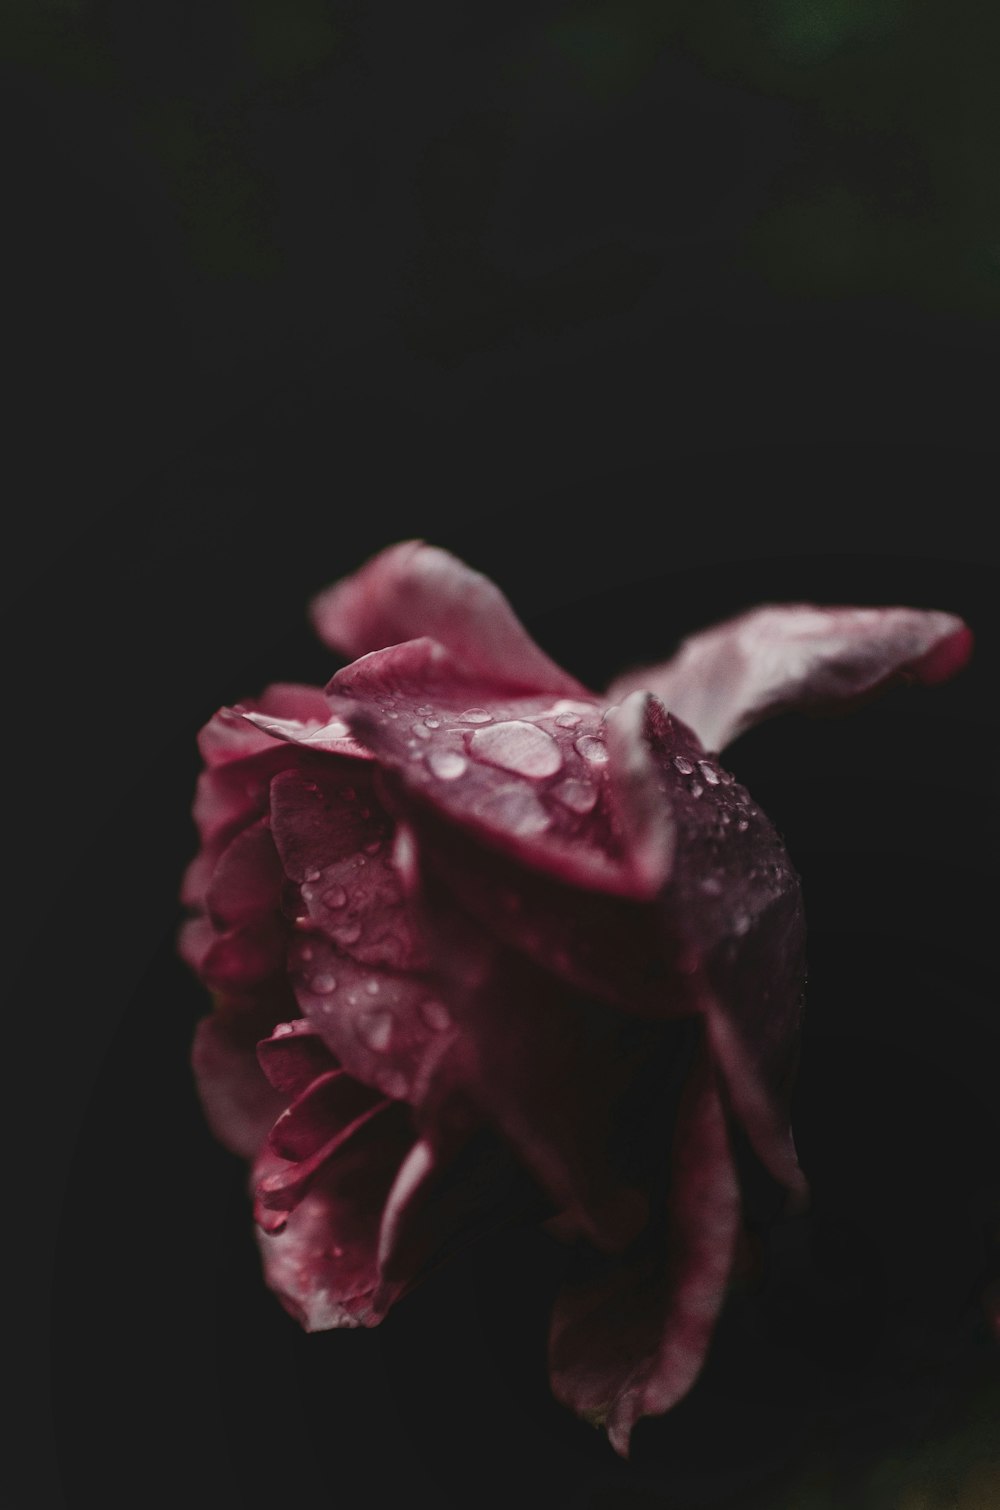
x=413 y=590
x=785 y=656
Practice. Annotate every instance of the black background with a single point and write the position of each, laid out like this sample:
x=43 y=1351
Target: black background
x=273 y=305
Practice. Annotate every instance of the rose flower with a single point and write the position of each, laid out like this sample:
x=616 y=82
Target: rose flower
x=485 y=944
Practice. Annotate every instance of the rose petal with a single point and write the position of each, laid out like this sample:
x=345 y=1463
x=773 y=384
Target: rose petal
x=413 y=589
x=725 y=679
x=240 y=1106
x=630 y=1341
x=380 y=1025
x=246 y=882
x=525 y=774
x=293 y=1056
x=335 y=841
x=323 y=1264
x=227 y=736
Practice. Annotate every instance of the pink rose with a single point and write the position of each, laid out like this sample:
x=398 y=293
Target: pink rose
x=486 y=944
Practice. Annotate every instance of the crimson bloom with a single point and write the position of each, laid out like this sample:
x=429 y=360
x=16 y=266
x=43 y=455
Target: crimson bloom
x=486 y=944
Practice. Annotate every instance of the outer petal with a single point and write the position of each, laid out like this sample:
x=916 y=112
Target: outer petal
x=630 y=1340
x=239 y=1104
x=413 y=589
x=795 y=656
x=323 y=1264
x=524 y=774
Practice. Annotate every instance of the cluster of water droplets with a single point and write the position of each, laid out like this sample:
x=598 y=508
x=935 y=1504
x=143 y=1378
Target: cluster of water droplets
x=522 y=749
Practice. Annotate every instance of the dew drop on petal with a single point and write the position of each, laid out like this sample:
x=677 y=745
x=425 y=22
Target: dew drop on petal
x=696 y=789
x=421 y=731
x=335 y=897
x=313 y=875
x=711 y=886
x=592 y=748
x=425 y=708
x=709 y=772
x=394 y=1084
x=475 y=716
x=432 y=723
x=726 y=777
x=435 y=1015
x=567 y=720
x=578 y=796
x=375 y=1029
x=683 y=765
x=514 y=810
x=447 y=765
x=517 y=746
x=348 y=933
x=324 y=983
x=742 y=825
x=305 y=953
x=372 y=987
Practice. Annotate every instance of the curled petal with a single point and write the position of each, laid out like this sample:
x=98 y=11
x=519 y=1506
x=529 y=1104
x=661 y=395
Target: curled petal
x=630 y=1339
x=322 y=1263
x=227 y=735
x=239 y=1103
x=293 y=1056
x=527 y=775
x=795 y=656
x=412 y=590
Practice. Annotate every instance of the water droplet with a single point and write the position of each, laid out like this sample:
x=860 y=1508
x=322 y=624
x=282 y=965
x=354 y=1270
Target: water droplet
x=567 y=720
x=726 y=777
x=433 y=723
x=743 y=825
x=517 y=746
x=514 y=810
x=421 y=731
x=375 y=1029
x=475 y=716
x=741 y=925
x=394 y=1084
x=313 y=875
x=683 y=765
x=712 y=886
x=338 y=1251
x=435 y=1015
x=348 y=933
x=709 y=772
x=391 y=713
x=578 y=796
x=425 y=708
x=592 y=749
x=447 y=765
x=283 y=1030
x=305 y=953
x=372 y=987
x=324 y=983
x=696 y=789
x=335 y=897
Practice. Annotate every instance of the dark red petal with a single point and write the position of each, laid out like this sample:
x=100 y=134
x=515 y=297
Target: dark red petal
x=227 y=736
x=323 y=1264
x=246 y=959
x=240 y=1106
x=548 y=1071
x=321 y=1111
x=725 y=679
x=334 y=838
x=380 y=1025
x=246 y=883
x=294 y=1056
x=630 y=1340
x=413 y=589
x=526 y=775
